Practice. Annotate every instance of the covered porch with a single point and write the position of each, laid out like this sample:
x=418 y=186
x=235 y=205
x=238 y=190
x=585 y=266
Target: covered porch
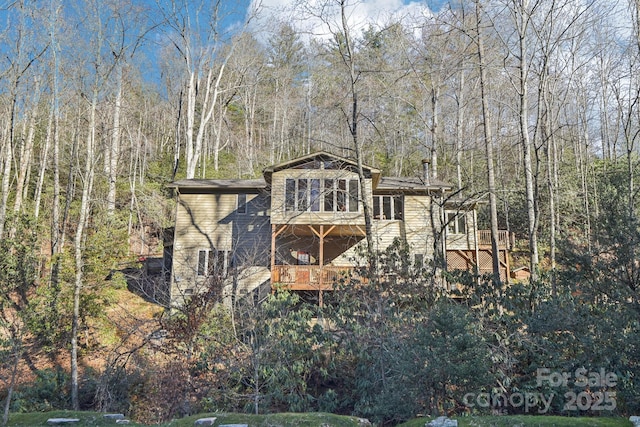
x=313 y=257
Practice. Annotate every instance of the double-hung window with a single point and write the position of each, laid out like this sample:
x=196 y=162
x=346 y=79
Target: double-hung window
x=456 y=223
x=388 y=207
x=212 y=262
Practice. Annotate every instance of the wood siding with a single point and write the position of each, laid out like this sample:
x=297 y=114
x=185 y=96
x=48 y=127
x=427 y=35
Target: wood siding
x=210 y=221
x=280 y=216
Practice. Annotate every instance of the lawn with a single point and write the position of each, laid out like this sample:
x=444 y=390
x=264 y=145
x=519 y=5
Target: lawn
x=319 y=419
x=273 y=420
x=530 y=421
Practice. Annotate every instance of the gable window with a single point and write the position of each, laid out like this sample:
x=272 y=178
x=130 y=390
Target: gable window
x=456 y=223
x=353 y=195
x=212 y=262
x=341 y=195
x=388 y=207
x=303 y=195
x=242 y=203
x=329 y=195
x=290 y=195
x=316 y=195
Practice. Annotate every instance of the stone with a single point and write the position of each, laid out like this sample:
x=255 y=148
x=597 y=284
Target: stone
x=122 y=421
x=364 y=422
x=205 y=421
x=62 y=420
x=442 y=422
x=114 y=416
x=635 y=420
x=233 y=425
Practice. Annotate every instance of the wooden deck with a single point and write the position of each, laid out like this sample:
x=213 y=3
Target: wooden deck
x=505 y=239
x=309 y=277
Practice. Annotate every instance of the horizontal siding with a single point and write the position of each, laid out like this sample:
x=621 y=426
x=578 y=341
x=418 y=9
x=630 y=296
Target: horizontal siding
x=280 y=216
x=465 y=241
x=417 y=217
x=211 y=221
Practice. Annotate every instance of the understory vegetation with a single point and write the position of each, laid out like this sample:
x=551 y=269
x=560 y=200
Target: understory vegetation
x=386 y=350
x=529 y=109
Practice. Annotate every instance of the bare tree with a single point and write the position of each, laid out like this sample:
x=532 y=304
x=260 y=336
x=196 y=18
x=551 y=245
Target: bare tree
x=198 y=34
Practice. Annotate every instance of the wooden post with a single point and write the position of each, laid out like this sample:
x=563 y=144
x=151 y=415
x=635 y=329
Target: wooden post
x=321 y=264
x=273 y=253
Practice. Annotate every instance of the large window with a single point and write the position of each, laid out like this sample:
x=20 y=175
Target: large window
x=388 y=207
x=327 y=195
x=456 y=223
x=212 y=262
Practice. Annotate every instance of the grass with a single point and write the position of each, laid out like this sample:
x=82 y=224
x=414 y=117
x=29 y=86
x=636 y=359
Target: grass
x=319 y=419
x=530 y=421
x=274 y=420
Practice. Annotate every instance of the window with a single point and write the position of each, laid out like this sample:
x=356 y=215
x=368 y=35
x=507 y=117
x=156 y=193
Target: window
x=353 y=196
x=212 y=262
x=342 y=195
x=290 y=195
x=315 y=195
x=388 y=207
x=327 y=195
x=303 y=195
x=418 y=260
x=456 y=223
x=242 y=203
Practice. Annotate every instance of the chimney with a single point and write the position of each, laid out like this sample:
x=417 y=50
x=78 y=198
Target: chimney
x=425 y=171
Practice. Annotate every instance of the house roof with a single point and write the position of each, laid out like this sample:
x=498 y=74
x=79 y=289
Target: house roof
x=320 y=157
x=324 y=157
x=219 y=184
x=410 y=184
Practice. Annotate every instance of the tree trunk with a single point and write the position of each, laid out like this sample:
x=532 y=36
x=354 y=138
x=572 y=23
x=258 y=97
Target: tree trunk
x=78 y=248
x=113 y=153
x=488 y=141
x=521 y=18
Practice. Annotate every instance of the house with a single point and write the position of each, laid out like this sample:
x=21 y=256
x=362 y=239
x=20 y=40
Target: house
x=302 y=226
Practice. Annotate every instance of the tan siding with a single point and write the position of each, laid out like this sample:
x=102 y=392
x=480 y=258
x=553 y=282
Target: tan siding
x=417 y=217
x=211 y=221
x=279 y=216
x=465 y=241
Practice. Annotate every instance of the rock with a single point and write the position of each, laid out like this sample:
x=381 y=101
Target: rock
x=62 y=420
x=442 y=422
x=114 y=416
x=364 y=422
x=635 y=420
x=122 y=421
x=205 y=421
x=233 y=425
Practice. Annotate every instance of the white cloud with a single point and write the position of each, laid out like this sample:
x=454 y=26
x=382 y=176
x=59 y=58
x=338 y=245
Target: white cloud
x=321 y=18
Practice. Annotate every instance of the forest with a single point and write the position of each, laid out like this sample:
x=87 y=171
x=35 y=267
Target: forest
x=532 y=106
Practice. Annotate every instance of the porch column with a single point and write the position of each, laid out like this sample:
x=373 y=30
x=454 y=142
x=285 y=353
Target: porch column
x=273 y=254
x=321 y=264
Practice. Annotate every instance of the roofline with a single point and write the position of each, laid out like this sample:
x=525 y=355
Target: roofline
x=218 y=184
x=375 y=173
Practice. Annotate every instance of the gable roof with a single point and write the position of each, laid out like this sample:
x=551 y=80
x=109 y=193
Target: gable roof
x=317 y=159
x=321 y=156
x=219 y=184
x=410 y=184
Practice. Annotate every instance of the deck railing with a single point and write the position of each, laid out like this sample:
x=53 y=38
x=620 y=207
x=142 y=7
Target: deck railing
x=504 y=239
x=309 y=276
